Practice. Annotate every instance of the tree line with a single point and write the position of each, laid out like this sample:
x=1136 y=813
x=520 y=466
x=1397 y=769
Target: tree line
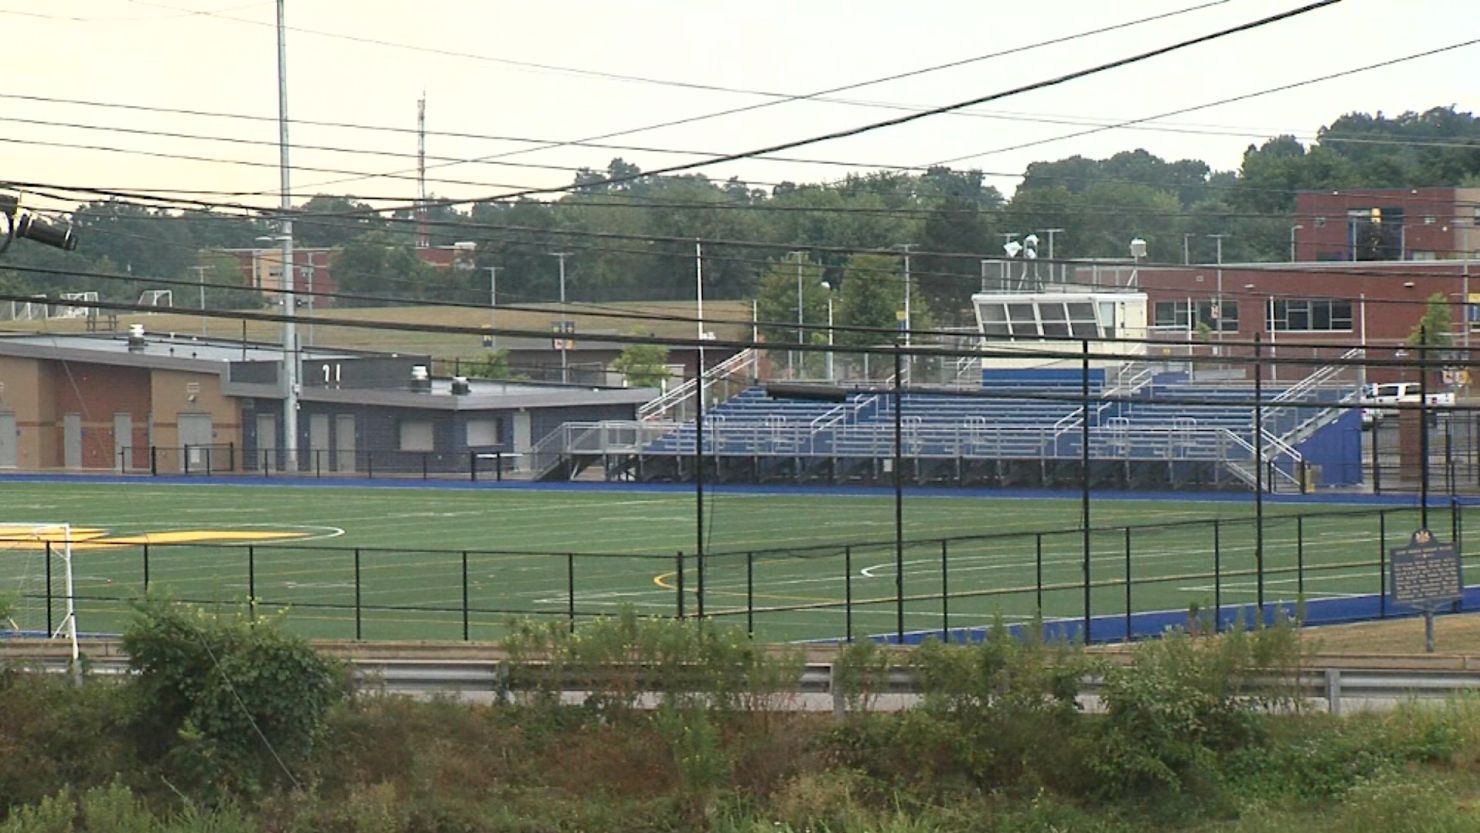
x=633 y=239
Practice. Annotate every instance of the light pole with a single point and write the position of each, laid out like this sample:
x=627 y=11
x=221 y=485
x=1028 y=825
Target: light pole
x=791 y=357
x=200 y=272
x=1138 y=251
x=1293 y=229
x=493 y=305
x=1218 y=304
x=564 y=324
x=906 y=247
x=828 y=287
x=1051 y=232
x=309 y=302
x=290 y=302
x=1187 y=249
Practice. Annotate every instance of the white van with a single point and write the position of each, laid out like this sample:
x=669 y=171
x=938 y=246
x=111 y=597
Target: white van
x=1377 y=400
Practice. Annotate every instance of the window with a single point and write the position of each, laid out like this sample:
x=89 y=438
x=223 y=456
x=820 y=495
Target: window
x=483 y=433
x=1311 y=315
x=1171 y=315
x=1226 y=318
x=1024 y=322
x=994 y=319
x=416 y=435
x=1320 y=222
x=1055 y=320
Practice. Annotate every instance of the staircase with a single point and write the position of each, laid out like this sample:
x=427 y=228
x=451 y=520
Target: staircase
x=726 y=378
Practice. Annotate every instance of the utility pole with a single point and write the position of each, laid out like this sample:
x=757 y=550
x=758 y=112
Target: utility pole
x=200 y=273
x=906 y=247
x=493 y=304
x=290 y=300
x=1218 y=305
x=564 y=324
x=699 y=317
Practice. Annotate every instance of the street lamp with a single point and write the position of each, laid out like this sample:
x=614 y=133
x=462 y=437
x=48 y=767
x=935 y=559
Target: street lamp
x=828 y=287
x=791 y=357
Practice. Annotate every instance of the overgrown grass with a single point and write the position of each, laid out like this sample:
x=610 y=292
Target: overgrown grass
x=1199 y=734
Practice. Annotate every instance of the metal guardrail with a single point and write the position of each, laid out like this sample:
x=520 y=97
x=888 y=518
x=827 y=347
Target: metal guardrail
x=1337 y=683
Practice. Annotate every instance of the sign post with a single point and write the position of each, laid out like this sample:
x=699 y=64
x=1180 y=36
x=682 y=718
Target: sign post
x=1425 y=576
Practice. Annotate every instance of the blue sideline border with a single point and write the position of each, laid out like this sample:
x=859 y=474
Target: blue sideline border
x=1113 y=628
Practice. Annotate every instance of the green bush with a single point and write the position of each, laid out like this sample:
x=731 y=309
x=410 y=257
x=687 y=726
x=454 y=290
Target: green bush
x=1182 y=700
x=222 y=702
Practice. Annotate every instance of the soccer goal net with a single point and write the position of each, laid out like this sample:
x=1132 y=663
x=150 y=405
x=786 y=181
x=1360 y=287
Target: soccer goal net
x=36 y=584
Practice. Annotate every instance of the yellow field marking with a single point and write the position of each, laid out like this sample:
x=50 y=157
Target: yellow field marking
x=89 y=538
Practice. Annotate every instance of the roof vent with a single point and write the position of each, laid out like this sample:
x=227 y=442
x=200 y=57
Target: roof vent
x=421 y=381
x=460 y=386
x=135 y=338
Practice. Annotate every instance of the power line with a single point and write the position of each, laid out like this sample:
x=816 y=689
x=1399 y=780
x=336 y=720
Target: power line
x=911 y=117
x=1205 y=105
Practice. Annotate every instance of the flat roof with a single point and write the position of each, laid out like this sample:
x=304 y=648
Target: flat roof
x=175 y=346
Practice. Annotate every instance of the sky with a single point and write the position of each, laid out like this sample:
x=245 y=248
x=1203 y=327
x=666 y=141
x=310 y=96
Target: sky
x=367 y=62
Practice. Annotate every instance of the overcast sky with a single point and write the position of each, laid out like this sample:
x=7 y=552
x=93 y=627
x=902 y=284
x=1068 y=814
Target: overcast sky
x=368 y=61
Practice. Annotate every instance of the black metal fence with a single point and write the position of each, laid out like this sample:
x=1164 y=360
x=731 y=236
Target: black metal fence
x=229 y=459
x=1112 y=582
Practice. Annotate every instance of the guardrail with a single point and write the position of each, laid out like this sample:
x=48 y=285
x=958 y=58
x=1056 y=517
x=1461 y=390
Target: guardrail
x=1337 y=683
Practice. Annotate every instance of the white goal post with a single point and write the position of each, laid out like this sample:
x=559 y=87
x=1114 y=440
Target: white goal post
x=28 y=550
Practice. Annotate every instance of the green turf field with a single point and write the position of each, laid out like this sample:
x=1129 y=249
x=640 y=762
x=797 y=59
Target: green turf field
x=810 y=551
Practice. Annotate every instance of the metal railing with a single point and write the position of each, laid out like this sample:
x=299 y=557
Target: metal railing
x=318 y=463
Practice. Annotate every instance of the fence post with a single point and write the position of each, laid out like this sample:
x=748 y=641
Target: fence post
x=318 y=470
x=1128 y=620
x=498 y=466
x=153 y=462
x=847 y=594
x=472 y=467
x=1084 y=474
x=1217 y=577
x=50 y=629
x=1038 y=569
x=750 y=594
x=146 y=568
x=369 y=464
x=1376 y=458
x=898 y=499
x=1423 y=427
x=252 y=581
x=465 y=595
x=678 y=572
x=231 y=456
x=945 y=595
x=1259 y=473
x=185 y=459
x=424 y=465
x=1382 y=564
x=570 y=590
x=1300 y=556
x=358 y=630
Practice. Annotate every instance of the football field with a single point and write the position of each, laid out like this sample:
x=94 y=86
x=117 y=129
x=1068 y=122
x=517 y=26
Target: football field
x=441 y=563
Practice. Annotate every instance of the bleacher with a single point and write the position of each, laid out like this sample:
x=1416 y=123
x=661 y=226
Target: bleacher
x=1025 y=418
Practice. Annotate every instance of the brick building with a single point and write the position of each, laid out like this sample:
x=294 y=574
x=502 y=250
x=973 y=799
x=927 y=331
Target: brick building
x=172 y=404
x=1386 y=224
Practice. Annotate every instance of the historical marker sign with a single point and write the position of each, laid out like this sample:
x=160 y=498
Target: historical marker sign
x=1426 y=573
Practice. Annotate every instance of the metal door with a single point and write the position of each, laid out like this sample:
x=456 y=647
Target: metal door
x=267 y=441
x=195 y=440
x=344 y=442
x=123 y=440
x=318 y=443
x=523 y=442
x=72 y=441
x=7 y=441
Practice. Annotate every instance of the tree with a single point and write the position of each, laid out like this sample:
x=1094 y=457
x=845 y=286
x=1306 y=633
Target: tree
x=644 y=365
x=871 y=297
x=225 y=702
x=222 y=268
x=1433 y=327
x=493 y=365
x=776 y=303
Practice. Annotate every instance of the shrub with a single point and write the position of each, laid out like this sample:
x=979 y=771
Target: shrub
x=223 y=702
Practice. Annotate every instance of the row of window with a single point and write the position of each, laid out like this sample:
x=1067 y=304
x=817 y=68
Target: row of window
x=1042 y=318
x=418 y=434
x=1294 y=315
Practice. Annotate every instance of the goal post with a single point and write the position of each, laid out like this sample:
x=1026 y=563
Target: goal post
x=31 y=556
